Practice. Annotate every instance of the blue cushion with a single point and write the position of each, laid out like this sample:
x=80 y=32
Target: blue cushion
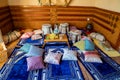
x=89 y=45
x=25 y=47
x=35 y=51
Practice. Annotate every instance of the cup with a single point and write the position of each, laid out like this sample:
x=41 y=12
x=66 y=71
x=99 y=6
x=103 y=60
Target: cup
x=60 y=36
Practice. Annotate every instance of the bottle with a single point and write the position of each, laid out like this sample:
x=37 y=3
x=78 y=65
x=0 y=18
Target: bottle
x=56 y=30
x=89 y=26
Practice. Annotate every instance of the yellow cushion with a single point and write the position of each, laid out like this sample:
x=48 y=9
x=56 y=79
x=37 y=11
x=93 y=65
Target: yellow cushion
x=111 y=53
x=80 y=44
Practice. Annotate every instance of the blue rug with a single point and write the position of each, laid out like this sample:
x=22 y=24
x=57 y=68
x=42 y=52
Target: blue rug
x=67 y=70
x=38 y=42
x=108 y=70
x=16 y=69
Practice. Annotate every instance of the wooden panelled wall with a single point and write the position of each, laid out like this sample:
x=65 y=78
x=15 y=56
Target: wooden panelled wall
x=105 y=22
x=34 y=17
x=108 y=23
x=5 y=20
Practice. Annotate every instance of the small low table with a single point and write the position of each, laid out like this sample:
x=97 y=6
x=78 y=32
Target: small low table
x=64 y=39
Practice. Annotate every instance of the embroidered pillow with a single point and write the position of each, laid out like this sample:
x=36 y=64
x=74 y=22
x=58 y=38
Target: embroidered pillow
x=92 y=56
x=80 y=44
x=71 y=55
x=53 y=58
x=27 y=35
x=25 y=47
x=36 y=36
x=35 y=51
x=89 y=45
x=34 y=63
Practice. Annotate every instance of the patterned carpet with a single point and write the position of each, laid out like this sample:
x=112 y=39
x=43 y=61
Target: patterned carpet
x=67 y=70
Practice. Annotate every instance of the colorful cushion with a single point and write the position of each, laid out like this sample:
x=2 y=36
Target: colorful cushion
x=92 y=56
x=53 y=58
x=27 y=35
x=38 y=31
x=34 y=63
x=89 y=45
x=85 y=37
x=80 y=44
x=25 y=47
x=100 y=37
x=35 y=51
x=97 y=36
x=36 y=36
x=11 y=36
x=93 y=34
x=71 y=55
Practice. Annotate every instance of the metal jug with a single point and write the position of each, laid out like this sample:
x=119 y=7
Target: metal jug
x=47 y=28
x=64 y=28
x=75 y=35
